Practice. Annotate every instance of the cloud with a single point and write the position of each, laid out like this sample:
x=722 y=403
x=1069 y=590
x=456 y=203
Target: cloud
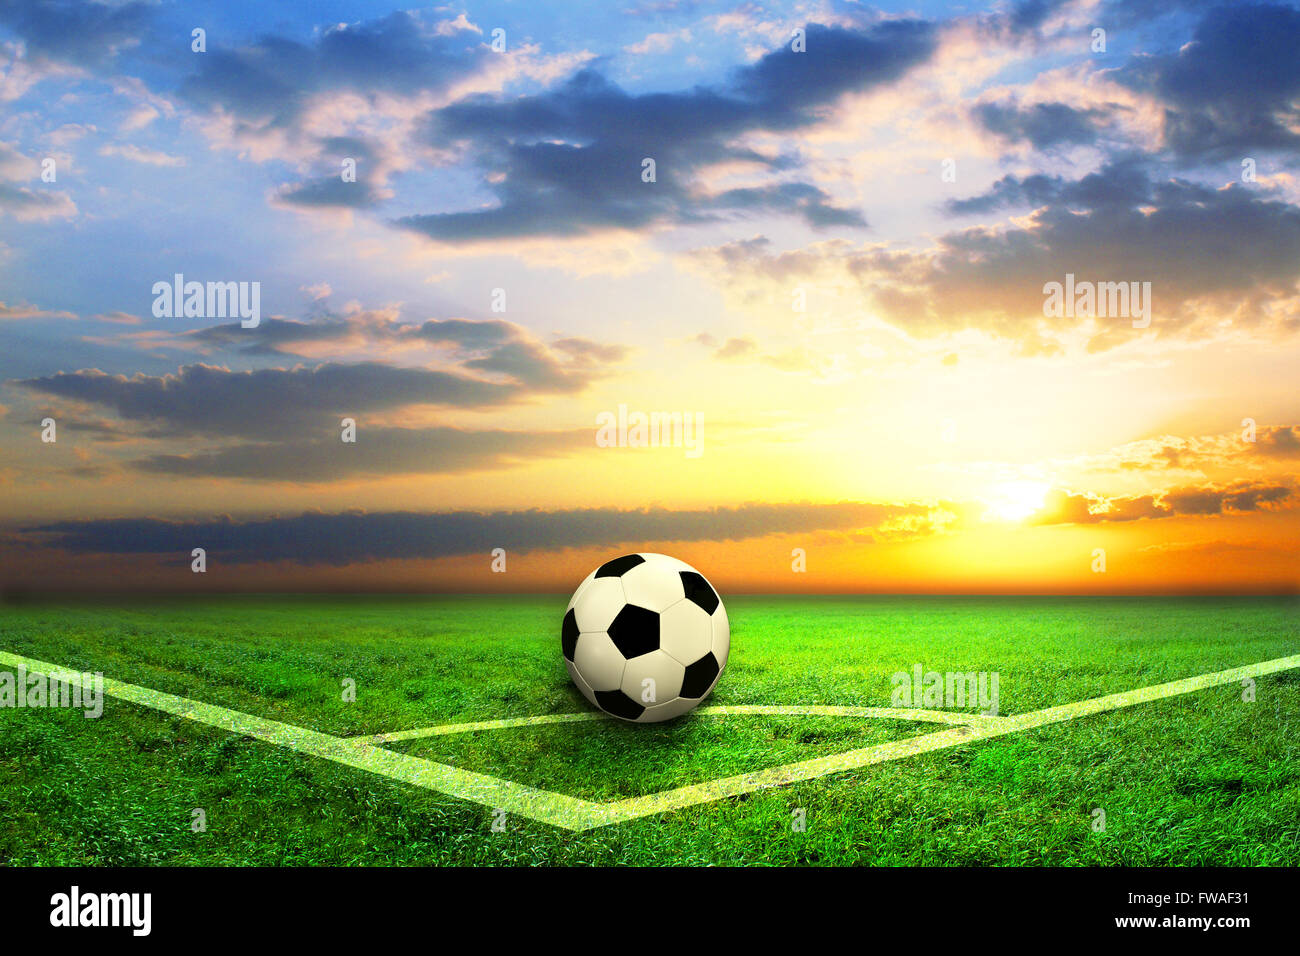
x=18 y=74
x=487 y=364
x=14 y=165
x=378 y=451
x=314 y=538
x=330 y=192
x=1043 y=124
x=26 y=310
x=355 y=92
x=1210 y=255
x=271 y=81
x=32 y=205
x=80 y=33
x=586 y=353
x=137 y=154
x=568 y=161
x=655 y=43
x=461 y=24
x=1282 y=442
x=269 y=403
x=141 y=115
x=1121 y=182
x=1273 y=443
x=1235 y=86
x=289 y=418
x=1238 y=497
x=478 y=345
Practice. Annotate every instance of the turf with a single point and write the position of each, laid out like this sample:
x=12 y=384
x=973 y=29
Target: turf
x=1202 y=779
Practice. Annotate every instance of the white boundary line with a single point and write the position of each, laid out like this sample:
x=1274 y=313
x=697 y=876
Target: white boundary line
x=791 y=710
x=575 y=814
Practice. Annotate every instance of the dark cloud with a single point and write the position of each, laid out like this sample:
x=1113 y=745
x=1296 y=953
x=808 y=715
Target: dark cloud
x=81 y=33
x=269 y=82
x=1282 y=441
x=289 y=336
x=378 y=451
x=1121 y=182
x=784 y=84
x=265 y=91
x=1043 y=125
x=473 y=334
x=291 y=415
x=1239 y=497
x=272 y=403
x=271 y=336
x=329 y=190
x=491 y=346
x=1233 y=87
x=339 y=539
x=1030 y=21
x=569 y=161
x=530 y=364
x=326 y=192
x=26 y=204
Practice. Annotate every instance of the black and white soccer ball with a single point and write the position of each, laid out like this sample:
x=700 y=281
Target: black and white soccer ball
x=645 y=637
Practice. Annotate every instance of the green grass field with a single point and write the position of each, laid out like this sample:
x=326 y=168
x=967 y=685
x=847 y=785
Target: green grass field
x=1198 y=779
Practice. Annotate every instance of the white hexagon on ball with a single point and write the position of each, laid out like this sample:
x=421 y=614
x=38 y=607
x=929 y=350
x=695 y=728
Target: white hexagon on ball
x=645 y=637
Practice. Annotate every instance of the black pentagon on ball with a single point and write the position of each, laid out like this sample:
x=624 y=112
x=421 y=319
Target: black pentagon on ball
x=698 y=590
x=619 y=566
x=635 y=631
x=569 y=635
x=619 y=704
x=700 y=676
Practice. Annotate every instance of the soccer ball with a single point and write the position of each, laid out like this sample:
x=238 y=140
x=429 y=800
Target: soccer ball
x=645 y=637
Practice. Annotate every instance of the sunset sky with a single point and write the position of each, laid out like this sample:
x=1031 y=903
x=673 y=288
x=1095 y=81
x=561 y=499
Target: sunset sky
x=839 y=270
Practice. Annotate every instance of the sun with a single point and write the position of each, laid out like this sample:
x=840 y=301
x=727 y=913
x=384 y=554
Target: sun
x=1016 y=500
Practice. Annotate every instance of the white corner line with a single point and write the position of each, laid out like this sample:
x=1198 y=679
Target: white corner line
x=576 y=814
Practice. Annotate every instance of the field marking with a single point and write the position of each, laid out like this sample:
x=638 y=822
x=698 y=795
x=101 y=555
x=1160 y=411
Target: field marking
x=634 y=807
x=555 y=808
x=776 y=710
x=576 y=814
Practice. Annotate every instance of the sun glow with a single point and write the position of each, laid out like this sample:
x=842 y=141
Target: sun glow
x=1016 y=500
